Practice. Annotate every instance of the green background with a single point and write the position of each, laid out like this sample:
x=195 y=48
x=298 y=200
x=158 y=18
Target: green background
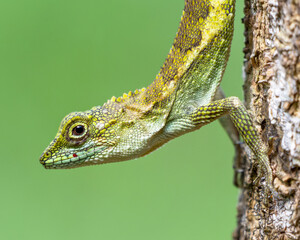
x=59 y=56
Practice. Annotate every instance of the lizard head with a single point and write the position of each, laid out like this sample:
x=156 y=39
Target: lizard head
x=83 y=138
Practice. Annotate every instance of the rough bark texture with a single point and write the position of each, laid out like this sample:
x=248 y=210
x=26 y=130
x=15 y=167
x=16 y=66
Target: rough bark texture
x=272 y=92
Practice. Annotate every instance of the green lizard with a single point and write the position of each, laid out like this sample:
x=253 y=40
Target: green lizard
x=180 y=100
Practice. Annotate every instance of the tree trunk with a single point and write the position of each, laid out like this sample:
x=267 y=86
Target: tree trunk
x=272 y=92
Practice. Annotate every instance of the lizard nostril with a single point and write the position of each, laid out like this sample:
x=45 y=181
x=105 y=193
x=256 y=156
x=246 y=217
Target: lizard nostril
x=47 y=154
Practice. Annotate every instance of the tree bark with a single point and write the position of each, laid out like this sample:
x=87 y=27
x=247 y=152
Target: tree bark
x=272 y=92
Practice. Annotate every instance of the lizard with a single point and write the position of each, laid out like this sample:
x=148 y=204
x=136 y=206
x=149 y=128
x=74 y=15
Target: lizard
x=181 y=99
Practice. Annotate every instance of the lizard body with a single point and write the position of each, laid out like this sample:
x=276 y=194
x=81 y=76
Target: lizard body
x=180 y=100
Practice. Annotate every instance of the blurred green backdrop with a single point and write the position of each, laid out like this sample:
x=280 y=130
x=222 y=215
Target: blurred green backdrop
x=62 y=56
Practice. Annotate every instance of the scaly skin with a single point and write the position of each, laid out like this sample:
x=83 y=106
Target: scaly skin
x=180 y=100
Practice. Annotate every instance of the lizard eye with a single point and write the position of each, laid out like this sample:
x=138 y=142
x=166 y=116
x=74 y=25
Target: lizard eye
x=78 y=130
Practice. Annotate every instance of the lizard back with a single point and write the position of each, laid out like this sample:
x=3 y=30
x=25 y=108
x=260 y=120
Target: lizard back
x=197 y=59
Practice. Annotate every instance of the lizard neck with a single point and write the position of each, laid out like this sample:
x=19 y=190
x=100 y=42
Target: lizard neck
x=153 y=101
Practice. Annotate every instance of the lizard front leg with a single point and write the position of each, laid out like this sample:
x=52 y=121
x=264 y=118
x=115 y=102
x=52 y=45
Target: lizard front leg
x=241 y=119
x=244 y=124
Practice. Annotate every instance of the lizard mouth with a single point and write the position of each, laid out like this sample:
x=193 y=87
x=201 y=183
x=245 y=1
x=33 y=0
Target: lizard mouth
x=71 y=160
